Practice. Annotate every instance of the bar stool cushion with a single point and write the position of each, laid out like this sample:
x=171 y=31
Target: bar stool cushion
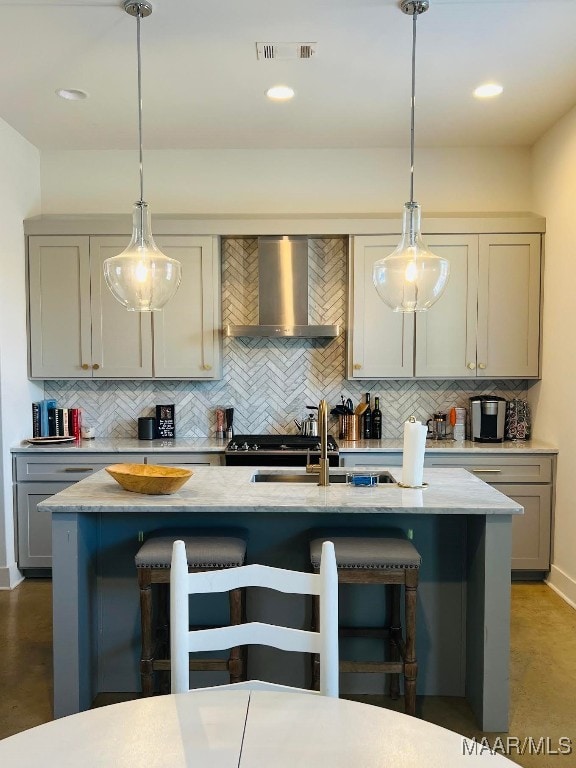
x=364 y=552
x=201 y=552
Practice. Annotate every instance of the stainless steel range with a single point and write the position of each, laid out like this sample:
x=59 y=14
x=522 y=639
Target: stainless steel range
x=277 y=450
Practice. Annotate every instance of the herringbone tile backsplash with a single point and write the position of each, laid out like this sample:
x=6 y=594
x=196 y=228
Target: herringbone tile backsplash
x=269 y=382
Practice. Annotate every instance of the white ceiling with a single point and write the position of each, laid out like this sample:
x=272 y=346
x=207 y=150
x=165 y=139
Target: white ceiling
x=204 y=87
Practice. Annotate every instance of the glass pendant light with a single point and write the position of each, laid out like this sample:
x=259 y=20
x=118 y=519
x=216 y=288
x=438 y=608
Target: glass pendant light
x=142 y=278
x=411 y=278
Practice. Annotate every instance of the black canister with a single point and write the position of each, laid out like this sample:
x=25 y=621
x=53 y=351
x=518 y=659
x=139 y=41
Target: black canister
x=146 y=428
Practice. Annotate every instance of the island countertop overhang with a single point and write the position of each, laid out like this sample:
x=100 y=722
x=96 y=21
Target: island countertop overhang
x=213 y=489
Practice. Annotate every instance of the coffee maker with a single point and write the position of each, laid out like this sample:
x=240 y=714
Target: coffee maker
x=487 y=418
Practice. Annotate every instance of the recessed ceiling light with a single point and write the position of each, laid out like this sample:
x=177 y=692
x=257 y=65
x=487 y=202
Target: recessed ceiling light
x=280 y=93
x=488 y=91
x=71 y=94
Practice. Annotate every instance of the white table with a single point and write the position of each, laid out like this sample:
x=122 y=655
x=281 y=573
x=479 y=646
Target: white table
x=240 y=729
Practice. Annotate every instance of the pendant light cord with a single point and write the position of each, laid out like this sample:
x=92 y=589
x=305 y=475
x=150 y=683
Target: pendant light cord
x=138 y=19
x=413 y=103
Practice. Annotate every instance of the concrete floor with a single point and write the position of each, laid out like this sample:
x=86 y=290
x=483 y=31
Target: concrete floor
x=543 y=672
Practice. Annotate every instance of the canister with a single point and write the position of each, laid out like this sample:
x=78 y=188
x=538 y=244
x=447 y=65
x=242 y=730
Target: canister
x=146 y=428
x=349 y=426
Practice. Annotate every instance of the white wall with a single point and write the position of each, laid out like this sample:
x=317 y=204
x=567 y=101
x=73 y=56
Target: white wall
x=287 y=181
x=19 y=198
x=554 y=196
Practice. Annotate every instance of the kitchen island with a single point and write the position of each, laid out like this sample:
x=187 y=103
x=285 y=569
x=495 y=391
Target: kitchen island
x=460 y=525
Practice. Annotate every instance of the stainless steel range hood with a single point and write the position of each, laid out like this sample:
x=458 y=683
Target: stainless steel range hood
x=283 y=292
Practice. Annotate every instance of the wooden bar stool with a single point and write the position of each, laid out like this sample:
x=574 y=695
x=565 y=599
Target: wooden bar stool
x=394 y=562
x=153 y=567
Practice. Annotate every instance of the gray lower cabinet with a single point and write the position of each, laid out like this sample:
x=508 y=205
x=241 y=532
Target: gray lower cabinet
x=40 y=475
x=34 y=527
x=531 y=531
x=528 y=479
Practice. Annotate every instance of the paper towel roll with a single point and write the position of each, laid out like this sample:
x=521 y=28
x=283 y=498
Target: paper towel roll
x=413 y=455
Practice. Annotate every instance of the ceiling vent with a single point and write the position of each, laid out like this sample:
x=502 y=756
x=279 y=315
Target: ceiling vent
x=284 y=51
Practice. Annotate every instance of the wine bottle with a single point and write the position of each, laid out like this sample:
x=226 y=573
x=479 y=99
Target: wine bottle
x=376 y=420
x=367 y=420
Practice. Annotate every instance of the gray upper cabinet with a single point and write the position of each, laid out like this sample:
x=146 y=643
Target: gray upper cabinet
x=446 y=333
x=509 y=292
x=380 y=342
x=187 y=331
x=59 y=307
x=121 y=340
x=487 y=322
x=78 y=330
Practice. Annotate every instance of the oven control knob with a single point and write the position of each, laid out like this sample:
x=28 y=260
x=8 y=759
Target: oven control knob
x=233 y=447
x=317 y=447
x=244 y=447
x=255 y=447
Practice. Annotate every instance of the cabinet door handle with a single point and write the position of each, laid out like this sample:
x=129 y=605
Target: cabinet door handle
x=78 y=469
x=357 y=366
x=95 y=366
x=471 y=366
x=206 y=367
x=486 y=470
x=482 y=366
x=85 y=366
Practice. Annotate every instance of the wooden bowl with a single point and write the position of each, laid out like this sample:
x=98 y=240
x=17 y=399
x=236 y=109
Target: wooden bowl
x=149 y=478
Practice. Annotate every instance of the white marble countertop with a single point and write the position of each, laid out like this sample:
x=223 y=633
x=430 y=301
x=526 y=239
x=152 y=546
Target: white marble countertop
x=212 y=445
x=127 y=445
x=230 y=489
x=449 y=446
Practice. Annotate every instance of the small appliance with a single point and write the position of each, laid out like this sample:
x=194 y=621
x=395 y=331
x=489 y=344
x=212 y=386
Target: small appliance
x=487 y=418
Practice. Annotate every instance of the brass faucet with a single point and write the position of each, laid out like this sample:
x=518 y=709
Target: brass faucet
x=322 y=467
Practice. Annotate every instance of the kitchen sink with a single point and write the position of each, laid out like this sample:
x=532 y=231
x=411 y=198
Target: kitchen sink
x=312 y=478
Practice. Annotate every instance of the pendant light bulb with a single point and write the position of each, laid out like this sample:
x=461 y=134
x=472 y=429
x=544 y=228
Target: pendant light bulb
x=411 y=278
x=141 y=278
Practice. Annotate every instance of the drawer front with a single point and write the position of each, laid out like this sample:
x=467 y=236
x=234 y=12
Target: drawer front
x=69 y=468
x=370 y=459
x=499 y=469
x=185 y=459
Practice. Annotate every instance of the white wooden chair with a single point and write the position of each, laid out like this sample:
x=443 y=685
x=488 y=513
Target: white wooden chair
x=324 y=642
